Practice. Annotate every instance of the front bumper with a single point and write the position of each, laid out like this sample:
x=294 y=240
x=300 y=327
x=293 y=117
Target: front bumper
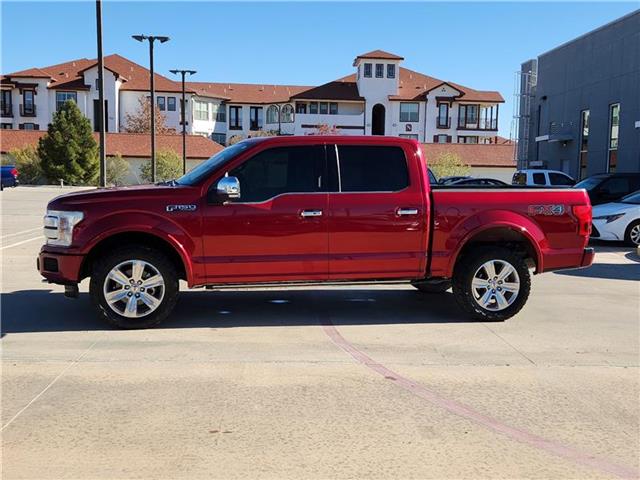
x=60 y=268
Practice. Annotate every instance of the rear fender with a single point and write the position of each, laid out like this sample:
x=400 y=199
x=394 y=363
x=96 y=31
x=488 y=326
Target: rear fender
x=469 y=229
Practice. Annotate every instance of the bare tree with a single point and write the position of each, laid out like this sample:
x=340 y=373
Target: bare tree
x=140 y=121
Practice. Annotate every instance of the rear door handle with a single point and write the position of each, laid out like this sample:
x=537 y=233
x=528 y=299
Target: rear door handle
x=311 y=213
x=407 y=211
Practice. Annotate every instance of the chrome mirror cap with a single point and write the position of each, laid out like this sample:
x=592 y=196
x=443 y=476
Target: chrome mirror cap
x=229 y=187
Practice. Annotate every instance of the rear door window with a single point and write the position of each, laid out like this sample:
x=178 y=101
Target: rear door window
x=372 y=168
x=559 y=179
x=280 y=170
x=616 y=187
x=539 y=178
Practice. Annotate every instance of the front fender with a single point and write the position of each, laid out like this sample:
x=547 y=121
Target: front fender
x=466 y=230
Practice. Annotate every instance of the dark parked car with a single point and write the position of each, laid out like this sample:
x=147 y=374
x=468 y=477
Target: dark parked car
x=609 y=187
x=484 y=182
x=451 y=179
x=9 y=176
x=432 y=178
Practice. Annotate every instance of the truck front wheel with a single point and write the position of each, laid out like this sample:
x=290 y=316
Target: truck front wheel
x=134 y=287
x=491 y=283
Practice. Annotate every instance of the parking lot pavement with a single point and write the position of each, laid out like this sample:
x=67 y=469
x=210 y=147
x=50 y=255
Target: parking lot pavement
x=362 y=382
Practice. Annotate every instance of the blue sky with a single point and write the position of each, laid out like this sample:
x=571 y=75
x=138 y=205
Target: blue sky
x=475 y=44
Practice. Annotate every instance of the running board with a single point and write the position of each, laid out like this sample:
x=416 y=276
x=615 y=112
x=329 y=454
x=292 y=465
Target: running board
x=343 y=283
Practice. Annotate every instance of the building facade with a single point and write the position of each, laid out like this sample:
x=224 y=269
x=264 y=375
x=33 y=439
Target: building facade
x=579 y=104
x=380 y=98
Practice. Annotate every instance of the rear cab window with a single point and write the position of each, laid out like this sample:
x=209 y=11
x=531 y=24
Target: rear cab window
x=539 y=178
x=369 y=168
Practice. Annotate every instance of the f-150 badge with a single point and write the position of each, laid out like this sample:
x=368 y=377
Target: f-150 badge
x=546 y=210
x=181 y=208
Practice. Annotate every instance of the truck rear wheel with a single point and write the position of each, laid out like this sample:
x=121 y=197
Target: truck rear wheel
x=491 y=283
x=134 y=287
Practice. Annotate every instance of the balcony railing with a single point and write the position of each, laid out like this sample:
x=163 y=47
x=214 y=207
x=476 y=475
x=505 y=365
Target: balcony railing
x=478 y=124
x=6 y=110
x=27 y=110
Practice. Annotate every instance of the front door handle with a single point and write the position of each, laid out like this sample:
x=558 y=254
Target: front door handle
x=407 y=211
x=311 y=213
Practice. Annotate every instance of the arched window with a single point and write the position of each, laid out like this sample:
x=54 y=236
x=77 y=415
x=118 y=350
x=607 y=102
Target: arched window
x=272 y=114
x=287 y=114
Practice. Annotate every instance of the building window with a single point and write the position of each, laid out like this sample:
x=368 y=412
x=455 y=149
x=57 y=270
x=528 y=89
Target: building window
x=614 y=127
x=162 y=104
x=255 y=118
x=489 y=118
x=235 y=117
x=367 y=70
x=391 y=70
x=468 y=116
x=301 y=107
x=200 y=110
x=272 y=114
x=171 y=104
x=442 y=138
x=584 y=144
x=333 y=108
x=62 y=97
x=5 y=105
x=313 y=107
x=219 y=112
x=6 y=126
x=29 y=126
x=409 y=135
x=467 y=139
x=409 y=112
x=379 y=70
x=443 y=115
x=220 y=138
x=28 y=102
x=324 y=108
x=286 y=113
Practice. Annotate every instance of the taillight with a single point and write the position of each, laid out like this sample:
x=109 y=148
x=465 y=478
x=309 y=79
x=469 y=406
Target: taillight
x=583 y=214
x=14 y=172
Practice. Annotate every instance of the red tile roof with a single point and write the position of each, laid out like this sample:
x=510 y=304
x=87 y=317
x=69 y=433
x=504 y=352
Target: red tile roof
x=341 y=89
x=378 y=54
x=474 y=155
x=126 y=144
x=255 y=93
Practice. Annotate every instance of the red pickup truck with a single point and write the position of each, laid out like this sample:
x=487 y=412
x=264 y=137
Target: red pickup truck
x=312 y=209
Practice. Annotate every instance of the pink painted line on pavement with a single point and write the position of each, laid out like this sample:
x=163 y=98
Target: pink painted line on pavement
x=465 y=411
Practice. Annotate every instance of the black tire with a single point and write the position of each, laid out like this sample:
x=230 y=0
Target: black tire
x=465 y=271
x=432 y=287
x=627 y=234
x=157 y=260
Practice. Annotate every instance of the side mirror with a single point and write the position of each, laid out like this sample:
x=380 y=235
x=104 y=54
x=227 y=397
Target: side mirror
x=228 y=188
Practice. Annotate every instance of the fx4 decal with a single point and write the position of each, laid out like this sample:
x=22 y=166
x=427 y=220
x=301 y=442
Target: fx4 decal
x=182 y=208
x=546 y=210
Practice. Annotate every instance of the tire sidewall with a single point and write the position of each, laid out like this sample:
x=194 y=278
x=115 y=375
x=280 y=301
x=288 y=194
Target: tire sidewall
x=627 y=234
x=153 y=257
x=466 y=270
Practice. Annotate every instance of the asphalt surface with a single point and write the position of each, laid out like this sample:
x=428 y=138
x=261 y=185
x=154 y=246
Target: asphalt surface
x=317 y=383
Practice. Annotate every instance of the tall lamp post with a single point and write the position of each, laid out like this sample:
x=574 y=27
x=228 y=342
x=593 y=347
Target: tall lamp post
x=183 y=73
x=101 y=112
x=151 y=39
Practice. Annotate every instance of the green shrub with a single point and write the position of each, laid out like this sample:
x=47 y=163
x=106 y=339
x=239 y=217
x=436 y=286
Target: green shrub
x=447 y=164
x=68 y=151
x=28 y=164
x=168 y=167
x=234 y=139
x=117 y=170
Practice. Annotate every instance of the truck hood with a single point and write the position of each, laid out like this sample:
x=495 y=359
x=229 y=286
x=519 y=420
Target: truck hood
x=99 y=195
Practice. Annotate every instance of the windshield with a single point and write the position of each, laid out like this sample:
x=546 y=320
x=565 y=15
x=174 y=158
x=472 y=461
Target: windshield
x=633 y=198
x=589 y=183
x=207 y=167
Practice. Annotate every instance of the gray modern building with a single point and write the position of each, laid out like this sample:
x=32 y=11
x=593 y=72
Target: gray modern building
x=578 y=105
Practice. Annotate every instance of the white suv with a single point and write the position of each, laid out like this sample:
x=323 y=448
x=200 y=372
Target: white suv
x=542 y=178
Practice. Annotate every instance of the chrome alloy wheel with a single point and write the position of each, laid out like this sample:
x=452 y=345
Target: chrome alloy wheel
x=634 y=234
x=495 y=285
x=134 y=288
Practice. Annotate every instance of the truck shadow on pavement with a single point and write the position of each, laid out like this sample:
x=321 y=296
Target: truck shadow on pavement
x=611 y=271
x=45 y=311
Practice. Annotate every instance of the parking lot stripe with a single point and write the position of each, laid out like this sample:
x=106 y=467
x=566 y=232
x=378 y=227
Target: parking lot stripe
x=20 y=233
x=39 y=237
x=48 y=386
x=465 y=411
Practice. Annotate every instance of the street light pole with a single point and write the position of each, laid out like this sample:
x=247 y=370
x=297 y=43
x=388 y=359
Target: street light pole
x=101 y=112
x=183 y=73
x=152 y=39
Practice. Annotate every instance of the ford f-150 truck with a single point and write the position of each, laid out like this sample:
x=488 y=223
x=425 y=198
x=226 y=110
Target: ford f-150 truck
x=312 y=209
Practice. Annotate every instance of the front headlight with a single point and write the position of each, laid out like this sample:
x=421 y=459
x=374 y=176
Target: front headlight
x=58 y=226
x=609 y=218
